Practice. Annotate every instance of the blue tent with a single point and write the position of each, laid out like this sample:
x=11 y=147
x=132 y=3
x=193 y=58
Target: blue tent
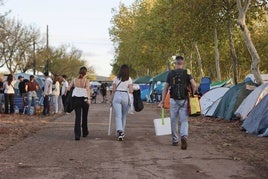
x=257 y=121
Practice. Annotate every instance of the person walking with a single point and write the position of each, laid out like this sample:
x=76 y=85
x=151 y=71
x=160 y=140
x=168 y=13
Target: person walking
x=31 y=88
x=9 y=94
x=177 y=81
x=47 y=93
x=122 y=85
x=81 y=101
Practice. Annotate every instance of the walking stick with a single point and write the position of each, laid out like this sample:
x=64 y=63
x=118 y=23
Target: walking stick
x=110 y=119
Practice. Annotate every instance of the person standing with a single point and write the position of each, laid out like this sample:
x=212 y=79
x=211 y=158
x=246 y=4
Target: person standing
x=122 y=85
x=178 y=102
x=81 y=101
x=47 y=93
x=22 y=85
x=55 y=94
x=31 y=87
x=9 y=94
x=64 y=88
x=2 y=101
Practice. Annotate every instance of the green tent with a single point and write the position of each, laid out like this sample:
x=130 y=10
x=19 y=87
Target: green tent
x=160 y=77
x=231 y=100
x=142 y=80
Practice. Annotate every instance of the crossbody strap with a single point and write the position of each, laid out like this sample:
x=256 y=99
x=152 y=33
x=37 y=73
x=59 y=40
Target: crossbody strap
x=118 y=84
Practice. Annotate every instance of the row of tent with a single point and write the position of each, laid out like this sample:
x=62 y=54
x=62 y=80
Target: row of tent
x=245 y=101
x=150 y=85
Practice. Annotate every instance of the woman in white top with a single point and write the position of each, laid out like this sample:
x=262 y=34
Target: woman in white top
x=122 y=85
x=9 y=94
x=81 y=102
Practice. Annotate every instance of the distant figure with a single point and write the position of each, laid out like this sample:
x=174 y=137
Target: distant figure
x=31 y=88
x=22 y=84
x=64 y=87
x=9 y=93
x=2 y=98
x=103 y=90
x=47 y=93
x=55 y=94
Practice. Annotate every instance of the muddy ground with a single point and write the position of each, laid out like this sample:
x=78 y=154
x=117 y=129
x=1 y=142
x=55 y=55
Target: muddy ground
x=44 y=147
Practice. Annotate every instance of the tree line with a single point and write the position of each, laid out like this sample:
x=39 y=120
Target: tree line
x=219 y=38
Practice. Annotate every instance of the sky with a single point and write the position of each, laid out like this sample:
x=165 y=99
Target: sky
x=83 y=24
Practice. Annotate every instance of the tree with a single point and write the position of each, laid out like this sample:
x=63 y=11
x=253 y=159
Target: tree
x=243 y=6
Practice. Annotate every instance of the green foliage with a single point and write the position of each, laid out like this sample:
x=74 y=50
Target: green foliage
x=147 y=33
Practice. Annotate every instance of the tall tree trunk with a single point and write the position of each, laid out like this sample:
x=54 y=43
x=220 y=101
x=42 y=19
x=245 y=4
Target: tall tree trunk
x=247 y=39
x=191 y=62
x=232 y=51
x=199 y=61
x=217 y=55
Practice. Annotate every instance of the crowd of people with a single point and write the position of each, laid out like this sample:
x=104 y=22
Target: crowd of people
x=52 y=94
x=52 y=97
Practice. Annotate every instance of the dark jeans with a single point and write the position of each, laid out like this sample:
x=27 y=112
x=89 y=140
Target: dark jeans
x=81 y=108
x=63 y=97
x=9 y=103
x=46 y=105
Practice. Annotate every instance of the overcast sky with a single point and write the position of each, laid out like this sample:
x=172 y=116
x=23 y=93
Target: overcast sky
x=83 y=24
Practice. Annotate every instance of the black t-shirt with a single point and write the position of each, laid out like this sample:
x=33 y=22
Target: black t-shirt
x=22 y=87
x=170 y=76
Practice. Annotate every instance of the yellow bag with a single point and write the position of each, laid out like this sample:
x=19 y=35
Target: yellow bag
x=194 y=105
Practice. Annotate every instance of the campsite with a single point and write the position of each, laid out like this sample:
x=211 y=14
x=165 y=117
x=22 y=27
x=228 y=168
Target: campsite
x=223 y=146
x=36 y=146
x=134 y=89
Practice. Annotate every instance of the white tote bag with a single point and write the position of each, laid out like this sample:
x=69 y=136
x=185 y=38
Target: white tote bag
x=162 y=125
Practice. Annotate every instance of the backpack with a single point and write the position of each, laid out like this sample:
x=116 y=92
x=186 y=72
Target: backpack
x=137 y=102
x=179 y=84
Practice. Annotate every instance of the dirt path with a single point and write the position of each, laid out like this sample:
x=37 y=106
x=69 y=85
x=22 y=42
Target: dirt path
x=52 y=152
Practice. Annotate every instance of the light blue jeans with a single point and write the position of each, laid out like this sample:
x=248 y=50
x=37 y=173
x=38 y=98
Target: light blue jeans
x=55 y=103
x=31 y=99
x=178 y=108
x=120 y=105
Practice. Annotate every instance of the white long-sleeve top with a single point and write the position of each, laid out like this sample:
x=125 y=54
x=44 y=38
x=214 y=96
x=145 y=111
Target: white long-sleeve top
x=48 y=86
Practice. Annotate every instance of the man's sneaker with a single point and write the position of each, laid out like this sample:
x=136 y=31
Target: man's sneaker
x=183 y=143
x=121 y=136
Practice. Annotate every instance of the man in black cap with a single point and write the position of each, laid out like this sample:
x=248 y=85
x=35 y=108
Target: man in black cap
x=22 y=85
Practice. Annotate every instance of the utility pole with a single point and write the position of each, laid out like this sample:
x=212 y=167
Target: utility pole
x=47 y=52
x=34 y=60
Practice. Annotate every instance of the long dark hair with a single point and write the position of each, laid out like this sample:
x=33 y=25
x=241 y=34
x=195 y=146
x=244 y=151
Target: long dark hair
x=9 y=79
x=82 y=72
x=123 y=74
